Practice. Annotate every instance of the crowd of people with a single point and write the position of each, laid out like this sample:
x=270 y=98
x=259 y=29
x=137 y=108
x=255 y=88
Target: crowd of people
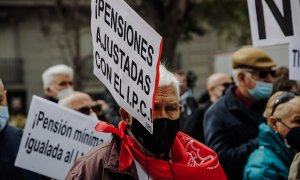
x=245 y=126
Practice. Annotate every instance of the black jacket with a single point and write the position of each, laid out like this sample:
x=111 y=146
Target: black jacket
x=193 y=125
x=10 y=138
x=231 y=129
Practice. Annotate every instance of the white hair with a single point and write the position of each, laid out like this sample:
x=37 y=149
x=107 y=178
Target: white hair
x=49 y=74
x=167 y=78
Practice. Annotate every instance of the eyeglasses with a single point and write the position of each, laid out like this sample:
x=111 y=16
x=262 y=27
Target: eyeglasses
x=283 y=123
x=283 y=98
x=87 y=109
x=263 y=73
x=226 y=85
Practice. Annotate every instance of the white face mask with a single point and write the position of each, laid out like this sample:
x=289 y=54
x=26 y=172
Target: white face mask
x=64 y=93
x=93 y=116
x=4 y=116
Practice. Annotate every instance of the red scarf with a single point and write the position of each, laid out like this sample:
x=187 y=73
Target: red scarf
x=190 y=159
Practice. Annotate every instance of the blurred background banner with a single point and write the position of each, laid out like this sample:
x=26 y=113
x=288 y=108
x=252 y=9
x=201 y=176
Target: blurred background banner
x=294 y=57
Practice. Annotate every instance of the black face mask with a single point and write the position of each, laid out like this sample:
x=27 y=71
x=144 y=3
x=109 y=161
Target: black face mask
x=162 y=139
x=293 y=138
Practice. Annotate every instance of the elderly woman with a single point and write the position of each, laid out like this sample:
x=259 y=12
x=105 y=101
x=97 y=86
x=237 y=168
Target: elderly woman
x=278 y=139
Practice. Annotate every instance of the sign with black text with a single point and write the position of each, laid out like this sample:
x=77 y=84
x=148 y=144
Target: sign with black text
x=126 y=57
x=55 y=137
x=294 y=56
x=273 y=21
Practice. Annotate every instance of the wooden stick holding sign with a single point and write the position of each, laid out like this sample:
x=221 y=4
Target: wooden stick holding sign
x=126 y=57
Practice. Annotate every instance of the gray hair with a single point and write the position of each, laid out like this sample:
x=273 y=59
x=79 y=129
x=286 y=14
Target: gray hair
x=49 y=74
x=167 y=78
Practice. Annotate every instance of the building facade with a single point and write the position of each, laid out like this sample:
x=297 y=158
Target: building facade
x=35 y=34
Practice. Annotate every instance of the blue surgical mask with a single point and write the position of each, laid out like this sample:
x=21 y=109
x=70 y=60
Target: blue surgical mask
x=262 y=90
x=4 y=116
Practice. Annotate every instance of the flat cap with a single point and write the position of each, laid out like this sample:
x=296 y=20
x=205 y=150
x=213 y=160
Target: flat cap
x=254 y=58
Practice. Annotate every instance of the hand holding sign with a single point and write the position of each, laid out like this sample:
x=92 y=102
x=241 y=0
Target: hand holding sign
x=126 y=57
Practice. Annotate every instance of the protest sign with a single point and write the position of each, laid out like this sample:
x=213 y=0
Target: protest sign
x=54 y=137
x=294 y=57
x=126 y=57
x=273 y=21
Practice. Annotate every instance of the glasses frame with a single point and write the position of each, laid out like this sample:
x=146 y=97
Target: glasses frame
x=226 y=85
x=97 y=108
x=263 y=73
x=283 y=98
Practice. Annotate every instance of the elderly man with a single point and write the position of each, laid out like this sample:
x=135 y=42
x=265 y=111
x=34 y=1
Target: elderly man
x=217 y=85
x=134 y=153
x=81 y=102
x=231 y=124
x=57 y=82
x=10 y=139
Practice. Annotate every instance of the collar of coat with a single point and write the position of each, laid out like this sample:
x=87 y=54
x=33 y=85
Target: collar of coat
x=112 y=162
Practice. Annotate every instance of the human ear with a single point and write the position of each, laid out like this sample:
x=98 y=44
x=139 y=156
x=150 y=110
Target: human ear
x=180 y=108
x=4 y=100
x=272 y=123
x=245 y=80
x=125 y=116
x=241 y=77
x=50 y=92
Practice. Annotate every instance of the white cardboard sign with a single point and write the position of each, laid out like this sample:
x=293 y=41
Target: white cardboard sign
x=126 y=56
x=294 y=57
x=274 y=21
x=54 y=137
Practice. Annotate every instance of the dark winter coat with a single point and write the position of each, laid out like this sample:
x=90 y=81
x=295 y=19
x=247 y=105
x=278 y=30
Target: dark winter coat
x=10 y=138
x=231 y=129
